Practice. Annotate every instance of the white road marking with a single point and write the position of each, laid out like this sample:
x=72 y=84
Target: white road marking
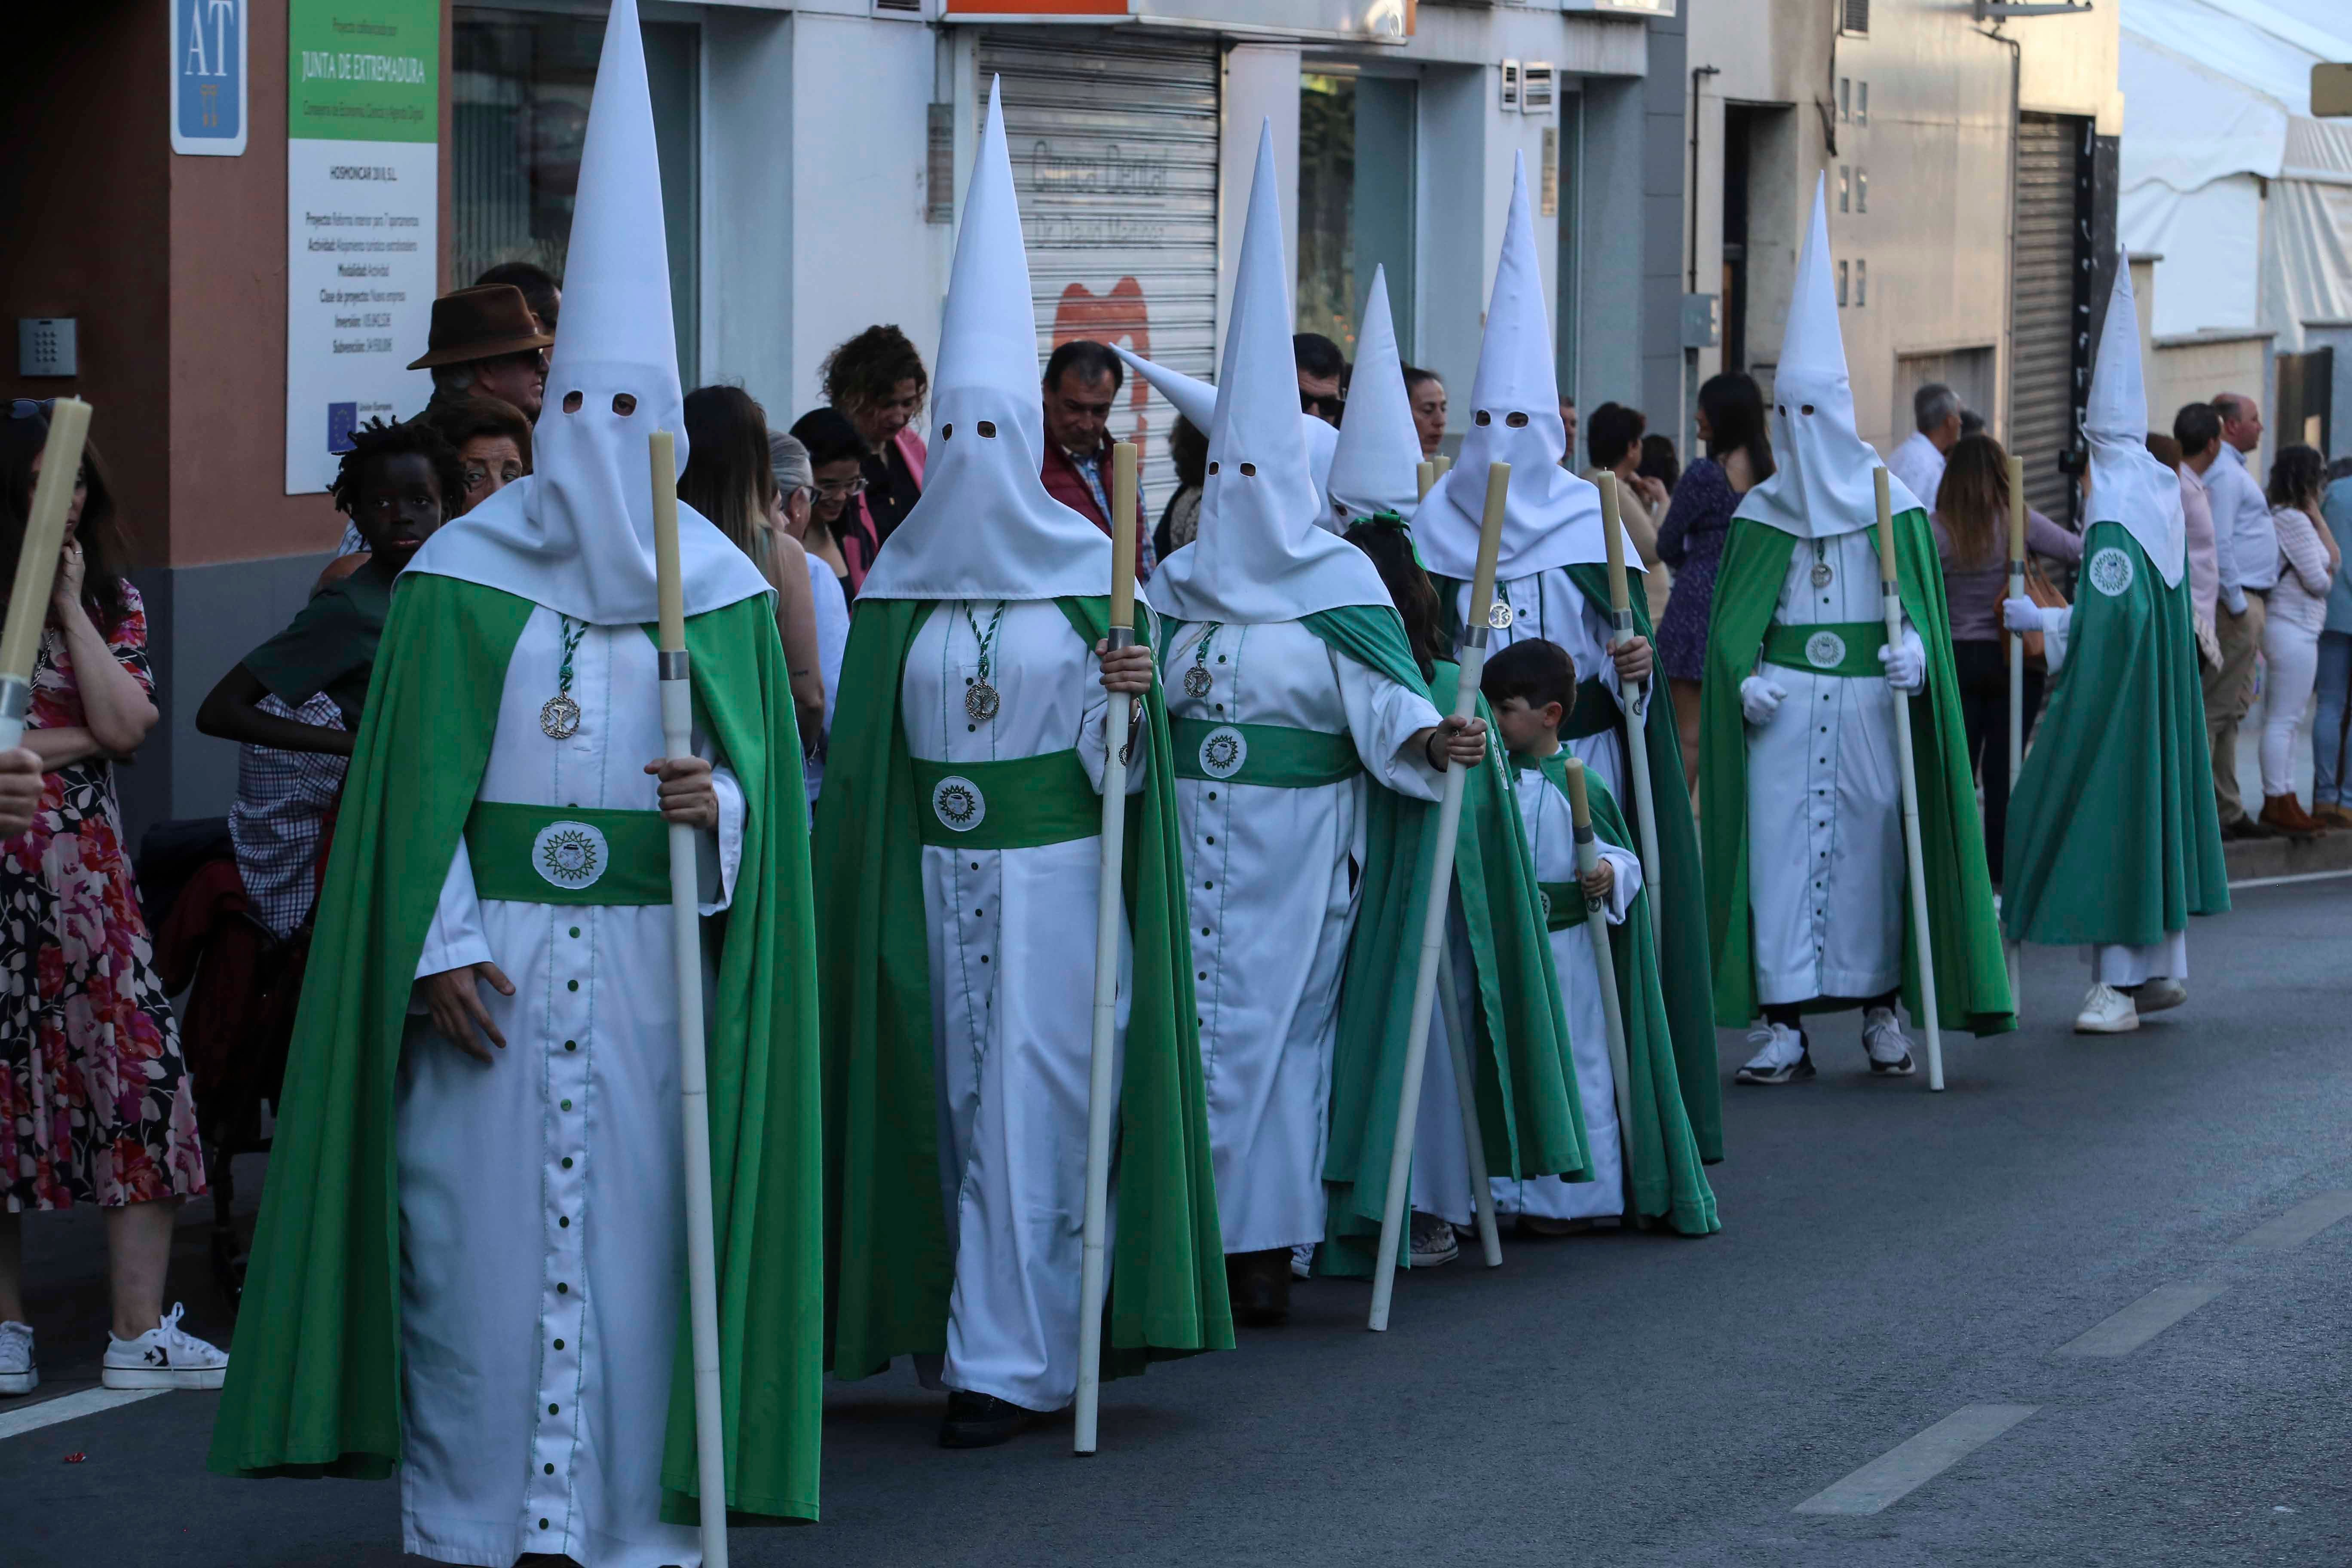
x=2142 y=1321
x=2283 y=881
x=89 y=1402
x=1910 y=1464
x=2299 y=1224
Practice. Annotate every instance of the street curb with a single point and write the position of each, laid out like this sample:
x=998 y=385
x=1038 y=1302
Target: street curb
x=2251 y=858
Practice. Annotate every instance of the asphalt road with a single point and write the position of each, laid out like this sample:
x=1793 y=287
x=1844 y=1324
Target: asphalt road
x=1891 y=1262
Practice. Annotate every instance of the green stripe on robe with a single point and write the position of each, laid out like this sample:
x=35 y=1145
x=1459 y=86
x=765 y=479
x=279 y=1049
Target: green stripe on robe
x=2113 y=837
x=888 y=1271
x=314 y=1380
x=1971 y=974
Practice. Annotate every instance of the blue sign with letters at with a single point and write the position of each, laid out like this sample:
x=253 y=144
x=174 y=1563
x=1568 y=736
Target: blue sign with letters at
x=208 y=76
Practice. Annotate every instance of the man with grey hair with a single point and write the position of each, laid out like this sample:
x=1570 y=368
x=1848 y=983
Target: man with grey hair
x=2246 y=553
x=1919 y=462
x=795 y=491
x=485 y=342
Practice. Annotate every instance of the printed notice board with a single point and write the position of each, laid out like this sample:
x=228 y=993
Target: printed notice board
x=362 y=208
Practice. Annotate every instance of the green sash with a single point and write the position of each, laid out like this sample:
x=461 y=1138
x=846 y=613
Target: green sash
x=1018 y=803
x=567 y=854
x=1849 y=649
x=1563 y=905
x=1278 y=755
x=1971 y=974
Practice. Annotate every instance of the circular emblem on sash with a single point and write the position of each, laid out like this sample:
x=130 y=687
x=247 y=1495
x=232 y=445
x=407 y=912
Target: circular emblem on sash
x=1498 y=615
x=570 y=855
x=957 y=803
x=2111 y=572
x=1825 y=650
x=1223 y=752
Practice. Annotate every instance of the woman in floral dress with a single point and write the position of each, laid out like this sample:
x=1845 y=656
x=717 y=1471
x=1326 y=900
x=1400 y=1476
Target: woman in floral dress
x=96 y=1103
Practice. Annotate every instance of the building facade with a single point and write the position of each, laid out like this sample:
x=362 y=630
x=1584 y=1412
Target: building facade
x=813 y=152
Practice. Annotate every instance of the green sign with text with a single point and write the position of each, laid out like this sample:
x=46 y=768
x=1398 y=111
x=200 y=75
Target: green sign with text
x=364 y=70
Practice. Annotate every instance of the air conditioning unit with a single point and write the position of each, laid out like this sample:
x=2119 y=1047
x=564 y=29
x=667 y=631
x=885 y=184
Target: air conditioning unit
x=1538 y=89
x=1510 y=87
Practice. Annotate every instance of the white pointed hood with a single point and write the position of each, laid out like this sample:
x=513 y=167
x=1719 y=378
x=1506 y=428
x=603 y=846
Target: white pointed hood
x=1375 y=466
x=1196 y=400
x=1259 y=556
x=1554 y=515
x=2128 y=484
x=985 y=528
x=577 y=535
x=1820 y=485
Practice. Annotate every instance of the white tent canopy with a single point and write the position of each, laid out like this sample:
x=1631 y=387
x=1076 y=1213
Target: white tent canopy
x=2217 y=103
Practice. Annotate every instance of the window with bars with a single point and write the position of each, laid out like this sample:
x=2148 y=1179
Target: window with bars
x=1854 y=18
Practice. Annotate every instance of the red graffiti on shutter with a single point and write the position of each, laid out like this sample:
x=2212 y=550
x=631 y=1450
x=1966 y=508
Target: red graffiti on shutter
x=1119 y=316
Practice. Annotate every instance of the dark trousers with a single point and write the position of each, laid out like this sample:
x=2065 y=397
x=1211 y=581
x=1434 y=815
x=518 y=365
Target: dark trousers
x=1984 y=709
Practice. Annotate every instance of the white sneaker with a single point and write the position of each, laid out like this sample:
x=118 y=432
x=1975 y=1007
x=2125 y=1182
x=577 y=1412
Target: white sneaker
x=1434 y=1241
x=19 y=1373
x=164 y=1357
x=2106 y=1011
x=1883 y=1040
x=1302 y=1261
x=1781 y=1056
x=2158 y=994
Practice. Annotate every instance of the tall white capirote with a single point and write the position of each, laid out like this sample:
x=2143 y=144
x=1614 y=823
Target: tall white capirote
x=1375 y=466
x=1554 y=517
x=1260 y=555
x=985 y=527
x=2128 y=485
x=1196 y=400
x=577 y=535
x=1820 y=485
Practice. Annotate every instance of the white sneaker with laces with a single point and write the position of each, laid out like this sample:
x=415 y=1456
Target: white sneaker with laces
x=19 y=1373
x=1883 y=1040
x=1302 y=1261
x=165 y=1356
x=2106 y=1011
x=1781 y=1056
x=2158 y=994
x=1432 y=1241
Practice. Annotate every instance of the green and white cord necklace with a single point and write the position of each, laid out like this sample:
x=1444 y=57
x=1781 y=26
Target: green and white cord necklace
x=980 y=700
x=559 y=716
x=1196 y=679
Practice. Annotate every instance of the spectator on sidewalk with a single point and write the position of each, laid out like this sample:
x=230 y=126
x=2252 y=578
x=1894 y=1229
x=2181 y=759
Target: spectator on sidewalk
x=877 y=381
x=1180 y=520
x=1918 y=461
x=2246 y=555
x=1660 y=463
x=485 y=342
x=1081 y=383
x=96 y=1103
x=539 y=289
x=1567 y=423
x=2309 y=562
x=840 y=533
x=1322 y=376
x=795 y=478
x=1427 y=394
x=492 y=440
x=2196 y=433
x=1691 y=538
x=1971 y=525
x=1613 y=446
x=2331 y=737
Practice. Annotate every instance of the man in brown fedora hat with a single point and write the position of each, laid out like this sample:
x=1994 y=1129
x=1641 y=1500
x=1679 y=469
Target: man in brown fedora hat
x=485 y=343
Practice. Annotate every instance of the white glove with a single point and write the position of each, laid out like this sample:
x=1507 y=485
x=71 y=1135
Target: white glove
x=2022 y=615
x=1759 y=699
x=1907 y=663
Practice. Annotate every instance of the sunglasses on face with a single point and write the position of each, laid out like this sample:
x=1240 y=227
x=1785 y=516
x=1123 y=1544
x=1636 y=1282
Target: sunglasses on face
x=1316 y=403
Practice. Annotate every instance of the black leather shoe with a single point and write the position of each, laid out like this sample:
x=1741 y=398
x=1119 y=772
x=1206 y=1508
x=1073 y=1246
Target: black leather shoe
x=979 y=1421
x=1258 y=1285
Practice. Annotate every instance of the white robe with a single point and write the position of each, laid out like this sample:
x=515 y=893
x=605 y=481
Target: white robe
x=1552 y=839
x=1825 y=804
x=1272 y=875
x=1550 y=605
x=541 y=1195
x=1012 y=940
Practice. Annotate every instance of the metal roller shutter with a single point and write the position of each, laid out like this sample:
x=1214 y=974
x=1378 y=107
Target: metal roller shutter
x=2050 y=356
x=1114 y=143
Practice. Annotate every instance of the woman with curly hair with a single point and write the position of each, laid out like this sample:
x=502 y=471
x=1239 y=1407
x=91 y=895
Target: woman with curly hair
x=878 y=383
x=96 y=1101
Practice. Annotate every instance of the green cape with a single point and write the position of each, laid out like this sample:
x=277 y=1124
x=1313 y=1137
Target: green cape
x=1529 y=1113
x=889 y=1273
x=1684 y=965
x=314 y=1383
x=1971 y=974
x=2113 y=837
x=1667 y=1176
